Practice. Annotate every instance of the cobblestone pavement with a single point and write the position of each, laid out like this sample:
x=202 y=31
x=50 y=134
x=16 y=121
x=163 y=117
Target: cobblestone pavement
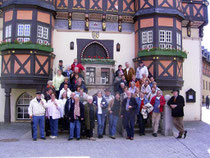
x=15 y=141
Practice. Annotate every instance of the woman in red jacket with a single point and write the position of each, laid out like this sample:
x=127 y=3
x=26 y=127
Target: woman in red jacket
x=158 y=103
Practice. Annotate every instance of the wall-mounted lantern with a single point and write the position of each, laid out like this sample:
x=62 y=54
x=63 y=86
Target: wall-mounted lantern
x=86 y=22
x=118 y=47
x=104 y=23
x=70 y=21
x=201 y=32
x=72 y=45
x=189 y=29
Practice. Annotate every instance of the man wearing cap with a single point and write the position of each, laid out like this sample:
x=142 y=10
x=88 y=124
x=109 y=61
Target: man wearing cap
x=140 y=70
x=177 y=104
x=36 y=111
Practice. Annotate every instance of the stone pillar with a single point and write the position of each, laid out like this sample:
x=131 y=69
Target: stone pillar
x=167 y=119
x=7 y=110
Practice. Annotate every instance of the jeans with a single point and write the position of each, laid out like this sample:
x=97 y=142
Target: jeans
x=142 y=123
x=38 y=120
x=54 y=126
x=101 y=120
x=73 y=125
x=129 y=126
x=112 y=124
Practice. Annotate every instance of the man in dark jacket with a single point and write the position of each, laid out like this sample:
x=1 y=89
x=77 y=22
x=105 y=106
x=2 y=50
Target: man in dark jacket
x=75 y=116
x=128 y=114
x=177 y=104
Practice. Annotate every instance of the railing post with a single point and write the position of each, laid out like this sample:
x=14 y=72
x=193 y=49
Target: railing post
x=7 y=110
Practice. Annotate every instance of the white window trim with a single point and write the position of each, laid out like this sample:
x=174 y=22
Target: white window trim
x=147 y=46
x=163 y=36
x=44 y=33
x=147 y=37
x=8 y=31
x=178 y=38
x=25 y=32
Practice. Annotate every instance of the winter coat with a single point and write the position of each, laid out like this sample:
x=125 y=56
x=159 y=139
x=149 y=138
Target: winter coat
x=179 y=110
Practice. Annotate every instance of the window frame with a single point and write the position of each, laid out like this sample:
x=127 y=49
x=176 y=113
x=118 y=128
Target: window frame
x=90 y=83
x=23 y=36
x=23 y=102
x=106 y=70
x=43 y=34
x=164 y=37
x=147 y=39
x=8 y=33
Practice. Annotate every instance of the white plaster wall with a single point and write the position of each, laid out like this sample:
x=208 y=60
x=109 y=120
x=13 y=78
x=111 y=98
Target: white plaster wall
x=62 y=41
x=192 y=74
x=2 y=94
x=15 y=94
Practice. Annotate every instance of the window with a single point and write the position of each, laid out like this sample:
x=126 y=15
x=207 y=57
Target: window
x=105 y=75
x=147 y=39
x=168 y=46
x=168 y=36
x=209 y=85
x=8 y=33
x=165 y=39
x=162 y=36
x=23 y=32
x=144 y=37
x=178 y=41
x=206 y=85
x=90 y=75
x=42 y=35
x=22 y=106
x=203 y=84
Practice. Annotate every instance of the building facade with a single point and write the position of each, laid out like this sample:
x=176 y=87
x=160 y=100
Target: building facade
x=205 y=74
x=165 y=34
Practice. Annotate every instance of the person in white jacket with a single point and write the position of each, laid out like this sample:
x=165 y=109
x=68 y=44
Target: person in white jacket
x=36 y=111
x=65 y=89
x=53 y=108
x=141 y=69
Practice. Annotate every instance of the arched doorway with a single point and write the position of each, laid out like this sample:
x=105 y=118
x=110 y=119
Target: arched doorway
x=97 y=59
x=95 y=50
x=22 y=105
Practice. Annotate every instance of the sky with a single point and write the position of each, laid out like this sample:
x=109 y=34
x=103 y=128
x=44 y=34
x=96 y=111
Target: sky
x=206 y=38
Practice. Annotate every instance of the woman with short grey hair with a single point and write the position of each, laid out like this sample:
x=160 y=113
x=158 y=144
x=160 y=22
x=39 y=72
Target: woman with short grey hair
x=89 y=114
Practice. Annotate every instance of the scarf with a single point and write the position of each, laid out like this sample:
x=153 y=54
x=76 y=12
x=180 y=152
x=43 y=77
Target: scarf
x=76 y=110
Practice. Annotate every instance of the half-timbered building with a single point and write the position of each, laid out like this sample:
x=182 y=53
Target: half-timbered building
x=165 y=34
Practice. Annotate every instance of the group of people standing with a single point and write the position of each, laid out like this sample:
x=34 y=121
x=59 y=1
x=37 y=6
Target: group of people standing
x=66 y=100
